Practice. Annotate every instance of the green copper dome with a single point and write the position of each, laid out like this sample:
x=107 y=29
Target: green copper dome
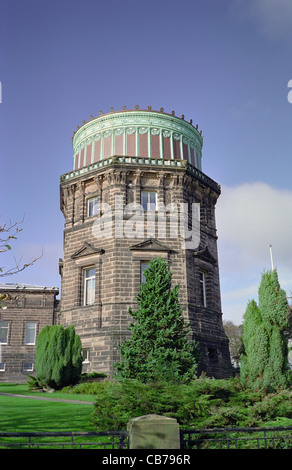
x=137 y=133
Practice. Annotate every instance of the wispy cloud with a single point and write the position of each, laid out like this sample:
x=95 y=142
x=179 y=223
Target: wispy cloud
x=253 y=216
x=243 y=110
x=250 y=217
x=272 y=18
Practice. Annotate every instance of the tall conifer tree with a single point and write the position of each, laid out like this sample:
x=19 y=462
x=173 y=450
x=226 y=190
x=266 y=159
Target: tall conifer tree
x=159 y=348
x=264 y=365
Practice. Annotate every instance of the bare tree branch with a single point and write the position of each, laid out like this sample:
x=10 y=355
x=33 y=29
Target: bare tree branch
x=19 y=266
x=8 y=233
x=4 y=229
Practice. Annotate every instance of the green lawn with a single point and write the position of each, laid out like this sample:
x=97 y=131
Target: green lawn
x=19 y=414
x=28 y=415
x=22 y=389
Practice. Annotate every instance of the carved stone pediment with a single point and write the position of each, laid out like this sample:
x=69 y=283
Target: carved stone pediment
x=151 y=245
x=87 y=250
x=204 y=255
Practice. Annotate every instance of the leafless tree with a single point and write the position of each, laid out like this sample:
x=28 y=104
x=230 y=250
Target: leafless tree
x=8 y=233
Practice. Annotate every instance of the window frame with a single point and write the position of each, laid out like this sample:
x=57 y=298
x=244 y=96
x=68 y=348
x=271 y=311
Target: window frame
x=26 y=331
x=7 y=332
x=202 y=286
x=85 y=355
x=149 y=203
x=95 y=205
x=27 y=369
x=86 y=279
x=143 y=263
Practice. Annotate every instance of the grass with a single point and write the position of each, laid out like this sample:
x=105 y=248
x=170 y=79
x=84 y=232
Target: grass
x=22 y=389
x=22 y=415
x=25 y=415
x=28 y=415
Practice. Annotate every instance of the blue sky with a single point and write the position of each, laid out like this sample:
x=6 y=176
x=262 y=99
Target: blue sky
x=225 y=64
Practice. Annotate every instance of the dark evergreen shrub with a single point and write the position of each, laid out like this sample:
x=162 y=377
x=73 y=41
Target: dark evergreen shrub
x=58 y=357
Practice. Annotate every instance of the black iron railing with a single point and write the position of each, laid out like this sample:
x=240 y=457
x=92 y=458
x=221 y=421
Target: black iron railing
x=237 y=438
x=64 y=440
x=217 y=438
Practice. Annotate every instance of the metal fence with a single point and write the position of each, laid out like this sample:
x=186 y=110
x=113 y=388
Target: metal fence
x=64 y=440
x=217 y=438
x=237 y=438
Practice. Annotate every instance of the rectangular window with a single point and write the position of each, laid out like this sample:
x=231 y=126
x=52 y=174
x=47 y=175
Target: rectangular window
x=213 y=356
x=4 y=325
x=27 y=367
x=86 y=355
x=92 y=206
x=148 y=200
x=2 y=366
x=203 y=288
x=89 y=286
x=143 y=266
x=30 y=333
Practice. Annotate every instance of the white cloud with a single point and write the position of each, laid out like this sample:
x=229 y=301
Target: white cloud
x=273 y=18
x=250 y=217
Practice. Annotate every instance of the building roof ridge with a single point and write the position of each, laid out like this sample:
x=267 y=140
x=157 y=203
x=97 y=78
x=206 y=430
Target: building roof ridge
x=23 y=286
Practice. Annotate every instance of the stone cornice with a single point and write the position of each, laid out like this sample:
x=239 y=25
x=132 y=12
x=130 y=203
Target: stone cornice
x=142 y=164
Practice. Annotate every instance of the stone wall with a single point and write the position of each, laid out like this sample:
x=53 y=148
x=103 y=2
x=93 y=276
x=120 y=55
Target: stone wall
x=117 y=260
x=36 y=306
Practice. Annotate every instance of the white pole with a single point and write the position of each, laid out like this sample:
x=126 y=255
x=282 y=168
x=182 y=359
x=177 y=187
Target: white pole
x=271 y=254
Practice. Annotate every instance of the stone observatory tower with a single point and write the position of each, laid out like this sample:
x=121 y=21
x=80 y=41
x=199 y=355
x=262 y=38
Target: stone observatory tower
x=137 y=192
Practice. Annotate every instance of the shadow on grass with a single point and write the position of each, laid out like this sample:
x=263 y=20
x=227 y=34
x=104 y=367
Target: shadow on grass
x=24 y=415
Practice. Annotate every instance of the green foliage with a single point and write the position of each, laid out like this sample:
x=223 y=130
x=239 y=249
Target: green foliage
x=85 y=388
x=88 y=376
x=273 y=301
x=159 y=348
x=33 y=383
x=264 y=364
x=121 y=401
x=273 y=406
x=58 y=356
x=202 y=403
